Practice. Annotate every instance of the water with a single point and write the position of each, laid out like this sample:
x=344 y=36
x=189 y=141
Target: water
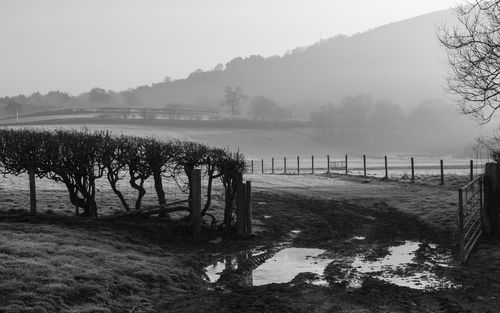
x=283 y=267
x=396 y=268
x=399 y=267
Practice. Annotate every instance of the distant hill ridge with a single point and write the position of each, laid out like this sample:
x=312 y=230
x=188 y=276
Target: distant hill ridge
x=401 y=61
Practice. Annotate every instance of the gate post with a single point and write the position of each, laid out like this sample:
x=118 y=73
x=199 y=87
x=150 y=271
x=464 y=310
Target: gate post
x=31 y=175
x=240 y=207
x=491 y=197
x=461 y=233
x=248 y=208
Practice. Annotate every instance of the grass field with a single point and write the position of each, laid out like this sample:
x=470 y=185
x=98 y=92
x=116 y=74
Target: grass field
x=60 y=263
x=254 y=143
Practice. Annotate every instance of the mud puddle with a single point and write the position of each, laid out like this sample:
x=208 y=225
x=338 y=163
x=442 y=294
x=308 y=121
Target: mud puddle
x=410 y=264
x=263 y=268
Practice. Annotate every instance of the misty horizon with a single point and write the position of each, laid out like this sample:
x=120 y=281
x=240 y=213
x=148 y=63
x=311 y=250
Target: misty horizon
x=61 y=48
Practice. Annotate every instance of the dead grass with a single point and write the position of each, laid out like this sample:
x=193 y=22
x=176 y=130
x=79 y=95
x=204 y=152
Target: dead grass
x=56 y=268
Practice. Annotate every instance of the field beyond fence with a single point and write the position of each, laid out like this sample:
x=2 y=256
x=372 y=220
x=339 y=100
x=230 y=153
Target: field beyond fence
x=369 y=166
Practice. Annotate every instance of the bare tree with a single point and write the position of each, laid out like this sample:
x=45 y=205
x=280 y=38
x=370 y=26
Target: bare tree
x=473 y=47
x=233 y=99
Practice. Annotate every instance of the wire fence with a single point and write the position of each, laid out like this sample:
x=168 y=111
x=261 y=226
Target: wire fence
x=373 y=166
x=53 y=196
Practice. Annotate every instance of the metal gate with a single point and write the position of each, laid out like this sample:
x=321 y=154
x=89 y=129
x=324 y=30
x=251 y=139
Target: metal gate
x=470 y=208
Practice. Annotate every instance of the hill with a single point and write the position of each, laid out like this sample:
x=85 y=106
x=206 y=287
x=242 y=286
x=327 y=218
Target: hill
x=402 y=61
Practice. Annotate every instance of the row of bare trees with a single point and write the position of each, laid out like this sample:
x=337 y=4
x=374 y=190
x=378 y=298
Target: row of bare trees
x=78 y=158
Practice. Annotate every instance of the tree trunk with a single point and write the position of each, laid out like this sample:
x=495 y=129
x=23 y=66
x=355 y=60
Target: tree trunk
x=139 y=187
x=160 y=193
x=209 y=195
x=73 y=196
x=113 y=180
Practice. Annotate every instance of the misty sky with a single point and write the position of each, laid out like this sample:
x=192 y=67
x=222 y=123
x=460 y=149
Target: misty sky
x=75 y=45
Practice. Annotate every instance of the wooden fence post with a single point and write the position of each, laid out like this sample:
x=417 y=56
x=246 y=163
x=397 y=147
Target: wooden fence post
x=471 y=170
x=272 y=166
x=252 y=166
x=284 y=165
x=364 y=165
x=248 y=207
x=240 y=208
x=386 y=171
x=262 y=165
x=461 y=234
x=328 y=164
x=442 y=171
x=196 y=204
x=298 y=165
x=31 y=175
x=412 y=171
x=346 y=164
x=312 y=164
x=491 y=197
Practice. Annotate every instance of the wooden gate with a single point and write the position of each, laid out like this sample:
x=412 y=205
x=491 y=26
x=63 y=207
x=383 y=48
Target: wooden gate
x=470 y=208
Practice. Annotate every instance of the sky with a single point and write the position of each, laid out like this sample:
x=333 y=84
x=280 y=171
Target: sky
x=75 y=45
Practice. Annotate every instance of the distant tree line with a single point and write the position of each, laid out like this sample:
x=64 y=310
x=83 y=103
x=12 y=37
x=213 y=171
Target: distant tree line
x=56 y=99
x=362 y=112
x=78 y=158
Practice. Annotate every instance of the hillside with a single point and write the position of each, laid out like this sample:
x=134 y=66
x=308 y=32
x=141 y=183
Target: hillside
x=402 y=61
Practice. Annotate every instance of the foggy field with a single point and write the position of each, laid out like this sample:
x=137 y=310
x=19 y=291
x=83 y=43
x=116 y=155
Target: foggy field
x=253 y=143
x=257 y=144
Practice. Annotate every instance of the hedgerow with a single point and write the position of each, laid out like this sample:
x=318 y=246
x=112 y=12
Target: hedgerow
x=79 y=158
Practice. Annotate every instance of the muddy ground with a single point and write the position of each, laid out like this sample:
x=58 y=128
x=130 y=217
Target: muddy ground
x=347 y=218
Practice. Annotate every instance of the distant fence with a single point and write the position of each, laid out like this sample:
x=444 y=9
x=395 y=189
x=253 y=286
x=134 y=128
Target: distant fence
x=382 y=167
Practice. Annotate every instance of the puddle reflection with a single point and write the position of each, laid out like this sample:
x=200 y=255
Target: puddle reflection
x=281 y=265
x=261 y=268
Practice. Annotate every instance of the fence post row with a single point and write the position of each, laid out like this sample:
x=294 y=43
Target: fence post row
x=196 y=204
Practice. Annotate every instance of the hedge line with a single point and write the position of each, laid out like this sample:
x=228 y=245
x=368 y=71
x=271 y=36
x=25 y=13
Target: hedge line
x=78 y=158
